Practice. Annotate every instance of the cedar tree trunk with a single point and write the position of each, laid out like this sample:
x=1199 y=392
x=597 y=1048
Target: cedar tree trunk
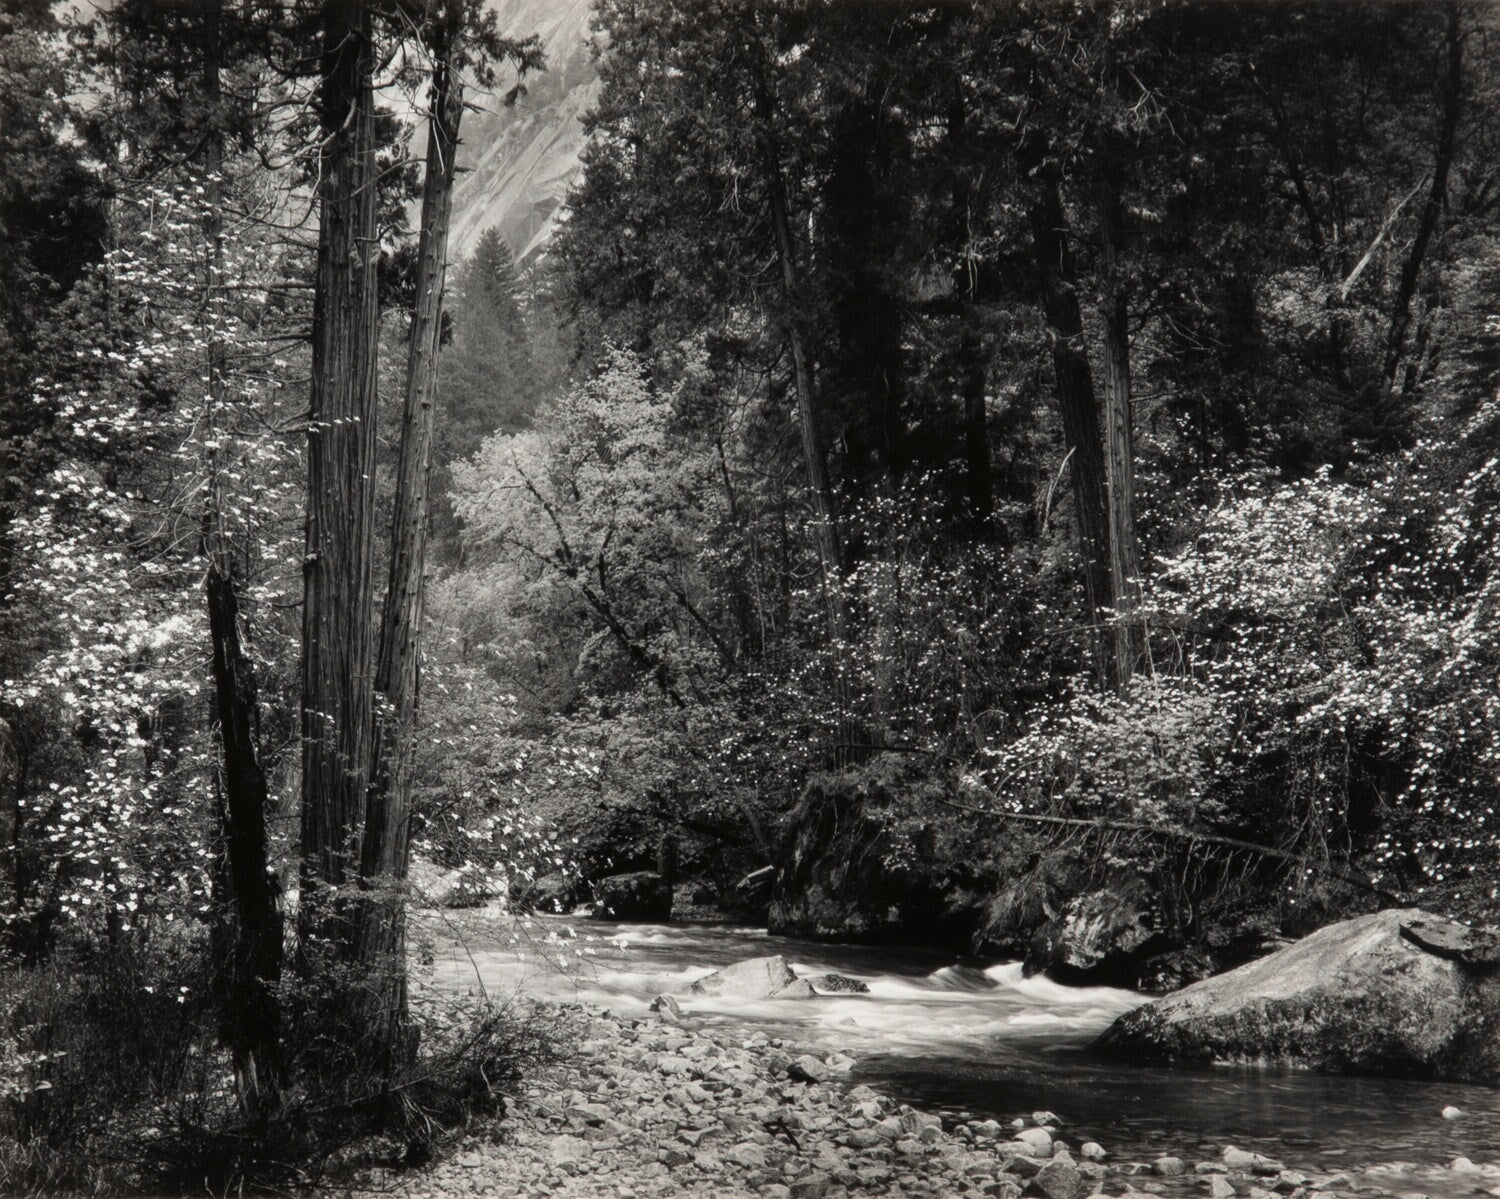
x=337 y=666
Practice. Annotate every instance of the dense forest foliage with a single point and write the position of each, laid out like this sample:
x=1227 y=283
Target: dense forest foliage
x=1058 y=442
x=1072 y=425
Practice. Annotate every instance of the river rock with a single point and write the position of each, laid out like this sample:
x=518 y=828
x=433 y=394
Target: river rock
x=839 y=984
x=1478 y=948
x=754 y=978
x=1250 y=1163
x=640 y=895
x=1058 y=1179
x=839 y=1063
x=667 y=1008
x=814 y=1186
x=807 y=1069
x=1356 y=997
x=1169 y=1167
x=1220 y=1187
x=1038 y=1141
x=1022 y=1165
x=1101 y=937
x=746 y=1154
x=429 y=882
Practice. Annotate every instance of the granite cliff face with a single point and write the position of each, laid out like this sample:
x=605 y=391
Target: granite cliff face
x=517 y=163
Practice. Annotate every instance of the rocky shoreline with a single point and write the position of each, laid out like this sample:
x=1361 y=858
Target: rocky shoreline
x=650 y=1107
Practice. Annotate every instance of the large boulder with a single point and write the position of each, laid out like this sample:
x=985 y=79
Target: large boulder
x=755 y=978
x=642 y=895
x=1102 y=937
x=1359 y=997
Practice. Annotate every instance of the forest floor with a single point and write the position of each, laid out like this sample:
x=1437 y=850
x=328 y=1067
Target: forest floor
x=653 y=1107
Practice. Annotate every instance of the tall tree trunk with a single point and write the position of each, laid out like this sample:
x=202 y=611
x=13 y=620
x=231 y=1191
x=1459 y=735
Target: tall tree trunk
x=809 y=415
x=337 y=706
x=252 y=922
x=1437 y=196
x=1124 y=556
x=971 y=361
x=249 y=929
x=1075 y=394
x=809 y=420
x=979 y=474
x=383 y=859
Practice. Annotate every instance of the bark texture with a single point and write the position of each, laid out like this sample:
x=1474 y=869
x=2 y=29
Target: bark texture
x=1075 y=389
x=809 y=416
x=337 y=708
x=247 y=935
x=1127 y=636
x=250 y=921
x=387 y=829
x=1437 y=196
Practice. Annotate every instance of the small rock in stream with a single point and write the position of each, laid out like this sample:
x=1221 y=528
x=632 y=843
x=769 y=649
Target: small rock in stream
x=839 y=984
x=1251 y=1163
x=666 y=1006
x=1037 y=1140
x=807 y=1069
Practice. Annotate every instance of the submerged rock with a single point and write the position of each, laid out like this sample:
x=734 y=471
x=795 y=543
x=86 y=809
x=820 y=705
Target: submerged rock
x=1358 y=997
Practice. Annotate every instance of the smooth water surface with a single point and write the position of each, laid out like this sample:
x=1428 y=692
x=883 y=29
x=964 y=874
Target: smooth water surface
x=975 y=1037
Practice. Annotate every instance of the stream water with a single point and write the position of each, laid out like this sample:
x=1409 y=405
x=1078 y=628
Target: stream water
x=976 y=1038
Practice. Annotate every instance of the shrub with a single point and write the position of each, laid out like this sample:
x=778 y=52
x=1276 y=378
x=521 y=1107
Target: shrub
x=112 y=1081
x=97 y=1046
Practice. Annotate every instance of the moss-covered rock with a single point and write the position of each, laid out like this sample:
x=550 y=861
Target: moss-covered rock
x=1104 y=936
x=1356 y=997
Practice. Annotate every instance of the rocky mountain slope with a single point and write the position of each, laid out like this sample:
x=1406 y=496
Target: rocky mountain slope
x=517 y=163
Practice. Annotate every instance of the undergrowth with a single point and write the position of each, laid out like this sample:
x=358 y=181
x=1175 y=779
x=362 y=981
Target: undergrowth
x=113 y=1081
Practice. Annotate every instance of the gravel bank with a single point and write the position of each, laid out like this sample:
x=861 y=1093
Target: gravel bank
x=654 y=1108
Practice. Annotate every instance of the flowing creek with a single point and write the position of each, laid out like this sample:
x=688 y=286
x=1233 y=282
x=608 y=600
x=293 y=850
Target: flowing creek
x=966 y=1037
